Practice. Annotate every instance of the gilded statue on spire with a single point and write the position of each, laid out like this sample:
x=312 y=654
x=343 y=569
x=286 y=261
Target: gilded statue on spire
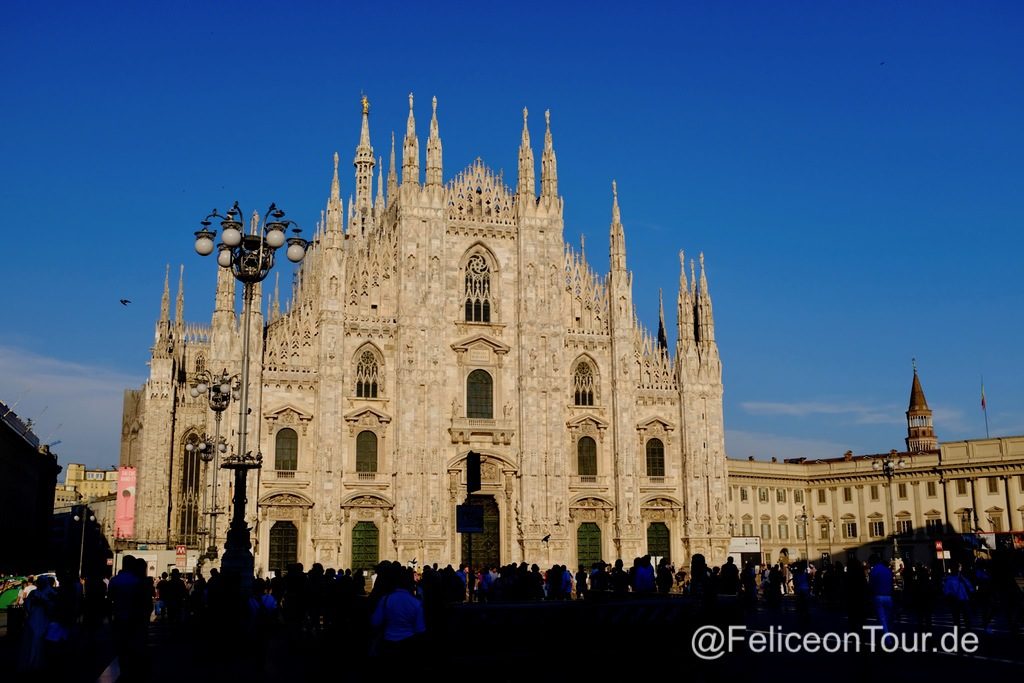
x=366 y=104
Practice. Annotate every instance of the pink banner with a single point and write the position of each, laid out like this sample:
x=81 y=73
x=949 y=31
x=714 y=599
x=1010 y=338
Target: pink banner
x=124 y=516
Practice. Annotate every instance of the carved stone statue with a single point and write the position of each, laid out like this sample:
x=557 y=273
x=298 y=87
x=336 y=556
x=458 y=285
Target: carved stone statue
x=719 y=509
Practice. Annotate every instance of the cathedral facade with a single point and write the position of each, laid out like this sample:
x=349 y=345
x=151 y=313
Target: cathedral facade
x=432 y=318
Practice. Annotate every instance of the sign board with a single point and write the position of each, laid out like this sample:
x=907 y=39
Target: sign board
x=938 y=546
x=744 y=549
x=944 y=555
x=469 y=519
x=181 y=557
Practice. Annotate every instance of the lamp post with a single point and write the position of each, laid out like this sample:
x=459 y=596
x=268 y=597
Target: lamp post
x=206 y=447
x=85 y=517
x=807 y=540
x=219 y=390
x=888 y=466
x=250 y=258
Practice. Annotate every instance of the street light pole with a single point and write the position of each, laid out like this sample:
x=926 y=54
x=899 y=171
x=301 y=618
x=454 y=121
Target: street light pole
x=219 y=393
x=250 y=258
x=888 y=466
x=807 y=540
x=84 y=518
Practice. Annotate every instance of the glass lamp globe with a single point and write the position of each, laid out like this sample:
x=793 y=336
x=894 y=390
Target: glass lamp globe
x=275 y=238
x=204 y=246
x=201 y=387
x=296 y=253
x=224 y=258
x=231 y=237
x=193 y=392
x=225 y=388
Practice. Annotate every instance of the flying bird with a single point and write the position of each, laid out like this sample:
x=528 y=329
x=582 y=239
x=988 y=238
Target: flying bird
x=546 y=539
x=125 y=302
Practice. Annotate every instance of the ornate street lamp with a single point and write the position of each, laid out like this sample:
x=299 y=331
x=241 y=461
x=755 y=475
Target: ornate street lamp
x=207 y=449
x=250 y=258
x=219 y=390
x=888 y=466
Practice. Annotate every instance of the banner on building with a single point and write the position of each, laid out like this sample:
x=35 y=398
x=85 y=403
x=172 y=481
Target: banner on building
x=124 y=514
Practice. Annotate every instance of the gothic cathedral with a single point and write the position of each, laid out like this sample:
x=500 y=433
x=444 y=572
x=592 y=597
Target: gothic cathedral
x=433 y=319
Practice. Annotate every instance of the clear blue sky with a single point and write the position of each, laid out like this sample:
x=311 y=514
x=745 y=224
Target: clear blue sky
x=852 y=171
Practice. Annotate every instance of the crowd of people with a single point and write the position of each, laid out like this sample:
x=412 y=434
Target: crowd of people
x=389 y=609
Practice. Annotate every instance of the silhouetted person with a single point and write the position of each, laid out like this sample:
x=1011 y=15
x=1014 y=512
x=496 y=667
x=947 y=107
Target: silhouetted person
x=729 y=577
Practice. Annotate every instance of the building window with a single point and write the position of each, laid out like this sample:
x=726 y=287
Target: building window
x=743 y=494
x=766 y=530
x=993 y=485
x=930 y=489
x=933 y=526
x=478 y=290
x=586 y=457
x=901 y=490
x=366 y=452
x=798 y=496
x=997 y=522
x=821 y=496
x=823 y=531
x=801 y=531
x=286 y=450
x=877 y=529
x=188 y=494
x=1020 y=482
x=730 y=494
x=655 y=458
x=365 y=545
x=874 y=491
x=367 y=375
x=747 y=529
x=904 y=527
x=849 y=529
x=961 y=487
x=847 y=494
x=783 y=531
x=583 y=384
x=780 y=495
x=762 y=495
x=479 y=395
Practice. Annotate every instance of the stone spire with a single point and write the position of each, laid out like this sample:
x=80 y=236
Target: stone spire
x=364 y=163
x=705 y=317
x=410 y=151
x=378 y=205
x=165 y=300
x=275 y=303
x=548 y=166
x=224 y=302
x=684 y=305
x=662 y=335
x=617 y=254
x=527 y=187
x=920 y=431
x=179 y=304
x=335 y=207
x=392 y=174
x=434 y=177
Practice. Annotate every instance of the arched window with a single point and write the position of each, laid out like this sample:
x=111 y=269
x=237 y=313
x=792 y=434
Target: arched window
x=478 y=290
x=284 y=547
x=655 y=458
x=366 y=452
x=200 y=363
x=367 y=375
x=365 y=545
x=586 y=457
x=583 y=385
x=480 y=395
x=286 y=450
x=658 y=541
x=188 y=494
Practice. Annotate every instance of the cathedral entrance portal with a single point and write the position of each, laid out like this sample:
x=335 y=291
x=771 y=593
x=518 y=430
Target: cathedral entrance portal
x=486 y=546
x=284 y=547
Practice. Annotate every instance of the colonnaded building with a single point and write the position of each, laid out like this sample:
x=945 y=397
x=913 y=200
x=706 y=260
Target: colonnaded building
x=431 y=318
